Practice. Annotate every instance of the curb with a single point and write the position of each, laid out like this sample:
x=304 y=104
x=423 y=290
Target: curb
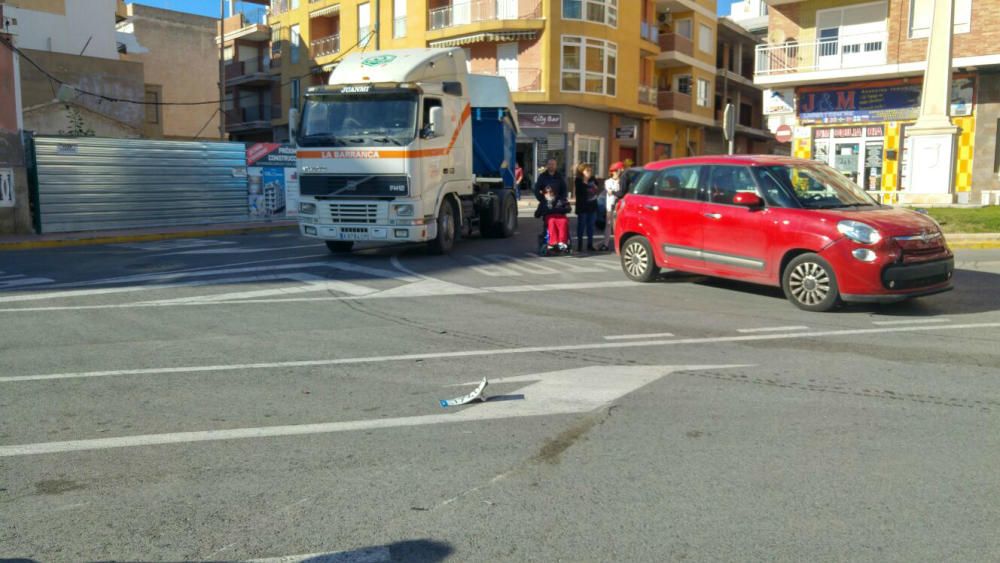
x=141 y=237
x=973 y=241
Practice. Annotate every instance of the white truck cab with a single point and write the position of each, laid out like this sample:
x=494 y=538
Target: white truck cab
x=406 y=146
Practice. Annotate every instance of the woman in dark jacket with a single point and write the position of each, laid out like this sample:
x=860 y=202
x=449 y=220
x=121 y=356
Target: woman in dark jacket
x=586 y=205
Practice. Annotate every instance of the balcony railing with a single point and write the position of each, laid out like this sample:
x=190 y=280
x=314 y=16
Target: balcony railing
x=674 y=101
x=280 y=6
x=850 y=51
x=648 y=95
x=650 y=32
x=325 y=45
x=675 y=42
x=522 y=79
x=246 y=67
x=243 y=117
x=483 y=10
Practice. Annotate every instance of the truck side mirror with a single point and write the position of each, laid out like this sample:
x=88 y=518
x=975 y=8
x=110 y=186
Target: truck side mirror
x=293 y=125
x=436 y=121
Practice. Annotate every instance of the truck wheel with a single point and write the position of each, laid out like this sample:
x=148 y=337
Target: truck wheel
x=340 y=246
x=508 y=217
x=446 y=230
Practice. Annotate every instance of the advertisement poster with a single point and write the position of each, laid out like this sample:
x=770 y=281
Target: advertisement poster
x=272 y=181
x=876 y=101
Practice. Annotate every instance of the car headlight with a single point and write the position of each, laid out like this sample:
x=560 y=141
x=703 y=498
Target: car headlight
x=859 y=232
x=402 y=210
x=307 y=208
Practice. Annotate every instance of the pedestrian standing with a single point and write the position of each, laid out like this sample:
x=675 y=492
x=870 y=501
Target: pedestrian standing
x=586 y=205
x=612 y=189
x=518 y=180
x=551 y=177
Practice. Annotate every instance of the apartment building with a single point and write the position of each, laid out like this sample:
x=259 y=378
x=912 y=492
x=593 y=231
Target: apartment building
x=846 y=77
x=251 y=71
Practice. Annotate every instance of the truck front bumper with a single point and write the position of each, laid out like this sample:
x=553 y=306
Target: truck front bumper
x=369 y=233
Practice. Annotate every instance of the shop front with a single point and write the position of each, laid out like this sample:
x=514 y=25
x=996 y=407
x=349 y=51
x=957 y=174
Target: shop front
x=860 y=129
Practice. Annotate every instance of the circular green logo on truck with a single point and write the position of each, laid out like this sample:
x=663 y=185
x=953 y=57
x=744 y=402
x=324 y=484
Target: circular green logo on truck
x=380 y=60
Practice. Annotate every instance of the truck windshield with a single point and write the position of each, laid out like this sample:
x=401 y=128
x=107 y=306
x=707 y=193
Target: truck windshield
x=816 y=186
x=348 y=120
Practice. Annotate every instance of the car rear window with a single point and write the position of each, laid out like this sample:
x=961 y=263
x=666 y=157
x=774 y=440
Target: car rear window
x=679 y=182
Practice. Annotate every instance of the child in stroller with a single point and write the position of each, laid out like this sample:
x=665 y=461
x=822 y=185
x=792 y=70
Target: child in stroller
x=553 y=211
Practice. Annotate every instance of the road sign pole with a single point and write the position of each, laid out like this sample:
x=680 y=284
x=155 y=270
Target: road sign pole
x=729 y=126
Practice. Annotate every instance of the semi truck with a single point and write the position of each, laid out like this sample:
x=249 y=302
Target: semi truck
x=406 y=146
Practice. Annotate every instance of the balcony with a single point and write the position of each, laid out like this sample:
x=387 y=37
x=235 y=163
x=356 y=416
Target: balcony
x=673 y=101
x=522 y=79
x=827 y=56
x=251 y=118
x=483 y=11
x=249 y=72
x=325 y=46
x=648 y=95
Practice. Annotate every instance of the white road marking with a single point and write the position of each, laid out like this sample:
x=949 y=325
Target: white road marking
x=532 y=266
x=173 y=244
x=242 y=250
x=559 y=286
x=378 y=554
x=910 y=322
x=487 y=268
x=771 y=329
x=562 y=392
x=568 y=266
x=313 y=284
x=494 y=352
x=8 y=282
x=639 y=336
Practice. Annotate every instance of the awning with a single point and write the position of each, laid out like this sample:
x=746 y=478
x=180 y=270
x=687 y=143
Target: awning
x=328 y=11
x=490 y=37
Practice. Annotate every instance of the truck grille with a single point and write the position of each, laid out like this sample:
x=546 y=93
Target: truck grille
x=353 y=185
x=354 y=212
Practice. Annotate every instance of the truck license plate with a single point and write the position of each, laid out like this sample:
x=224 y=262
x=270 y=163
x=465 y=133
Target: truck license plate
x=353 y=236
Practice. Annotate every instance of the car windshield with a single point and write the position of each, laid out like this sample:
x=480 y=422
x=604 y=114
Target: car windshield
x=815 y=186
x=347 y=120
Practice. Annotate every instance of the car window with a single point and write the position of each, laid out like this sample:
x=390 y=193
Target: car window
x=772 y=181
x=680 y=182
x=727 y=181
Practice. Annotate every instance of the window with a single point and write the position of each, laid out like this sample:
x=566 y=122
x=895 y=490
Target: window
x=684 y=28
x=296 y=92
x=296 y=40
x=679 y=182
x=703 y=92
x=683 y=84
x=276 y=43
x=152 y=99
x=589 y=65
x=727 y=181
x=921 y=14
x=364 y=24
x=589 y=150
x=597 y=11
x=295 y=4
x=399 y=18
x=705 y=40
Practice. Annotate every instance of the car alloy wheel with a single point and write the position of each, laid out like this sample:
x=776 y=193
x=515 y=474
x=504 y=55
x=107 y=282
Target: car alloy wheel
x=809 y=282
x=637 y=260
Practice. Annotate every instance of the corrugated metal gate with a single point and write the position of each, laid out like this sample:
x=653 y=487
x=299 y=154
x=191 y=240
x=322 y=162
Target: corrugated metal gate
x=88 y=183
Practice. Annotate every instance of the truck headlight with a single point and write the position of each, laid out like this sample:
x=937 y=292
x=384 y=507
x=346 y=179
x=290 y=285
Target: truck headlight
x=307 y=208
x=859 y=232
x=402 y=209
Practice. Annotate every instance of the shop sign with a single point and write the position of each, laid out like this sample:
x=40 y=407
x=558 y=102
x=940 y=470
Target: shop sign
x=851 y=132
x=626 y=133
x=539 y=120
x=779 y=101
x=880 y=101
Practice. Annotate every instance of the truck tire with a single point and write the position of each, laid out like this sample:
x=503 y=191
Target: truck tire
x=447 y=230
x=506 y=224
x=340 y=246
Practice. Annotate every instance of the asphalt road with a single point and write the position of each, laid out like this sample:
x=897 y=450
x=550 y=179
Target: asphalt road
x=254 y=397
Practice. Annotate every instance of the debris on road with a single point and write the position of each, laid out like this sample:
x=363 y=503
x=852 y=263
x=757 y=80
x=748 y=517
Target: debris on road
x=476 y=394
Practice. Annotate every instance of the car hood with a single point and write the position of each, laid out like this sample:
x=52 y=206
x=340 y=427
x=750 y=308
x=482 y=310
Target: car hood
x=890 y=221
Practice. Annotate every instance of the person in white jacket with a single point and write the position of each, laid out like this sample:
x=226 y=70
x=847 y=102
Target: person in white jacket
x=612 y=188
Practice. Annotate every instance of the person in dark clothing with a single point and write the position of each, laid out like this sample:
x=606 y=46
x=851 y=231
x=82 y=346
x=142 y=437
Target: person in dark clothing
x=553 y=211
x=551 y=177
x=586 y=205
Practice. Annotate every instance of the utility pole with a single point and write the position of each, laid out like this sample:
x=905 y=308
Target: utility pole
x=222 y=69
x=378 y=18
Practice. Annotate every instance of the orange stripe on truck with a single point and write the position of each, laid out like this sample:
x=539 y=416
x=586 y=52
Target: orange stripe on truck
x=376 y=154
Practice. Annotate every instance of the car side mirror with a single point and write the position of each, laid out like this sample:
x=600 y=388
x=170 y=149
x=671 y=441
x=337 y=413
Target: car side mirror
x=748 y=199
x=435 y=121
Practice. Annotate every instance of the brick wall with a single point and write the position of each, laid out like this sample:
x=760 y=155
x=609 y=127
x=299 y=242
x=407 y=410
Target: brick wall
x=982 y=39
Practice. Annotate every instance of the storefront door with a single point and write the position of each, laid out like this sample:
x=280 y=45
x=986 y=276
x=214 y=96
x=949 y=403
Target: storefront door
x=856 y=152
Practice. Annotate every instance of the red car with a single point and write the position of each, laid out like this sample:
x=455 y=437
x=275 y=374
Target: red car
x=779 y=221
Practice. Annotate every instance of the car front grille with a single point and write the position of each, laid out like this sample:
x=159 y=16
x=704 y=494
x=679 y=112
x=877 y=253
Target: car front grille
x=920 y=248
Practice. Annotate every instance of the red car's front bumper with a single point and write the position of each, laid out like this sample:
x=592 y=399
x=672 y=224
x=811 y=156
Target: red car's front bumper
x=894 y=275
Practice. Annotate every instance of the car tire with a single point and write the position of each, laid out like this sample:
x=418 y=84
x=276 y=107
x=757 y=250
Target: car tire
x=810 y=283
x=447 y=230
x=340 y=246
x=638 y=261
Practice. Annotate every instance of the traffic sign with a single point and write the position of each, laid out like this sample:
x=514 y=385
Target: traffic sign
x=783 y=134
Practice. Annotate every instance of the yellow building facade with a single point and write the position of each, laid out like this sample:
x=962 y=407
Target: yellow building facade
x=594 y=80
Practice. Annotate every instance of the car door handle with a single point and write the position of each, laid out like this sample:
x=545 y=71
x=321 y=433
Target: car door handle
x=714 y=215
x=652 y=207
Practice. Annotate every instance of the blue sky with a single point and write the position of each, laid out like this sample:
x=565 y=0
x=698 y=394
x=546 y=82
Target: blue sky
x=211 y=7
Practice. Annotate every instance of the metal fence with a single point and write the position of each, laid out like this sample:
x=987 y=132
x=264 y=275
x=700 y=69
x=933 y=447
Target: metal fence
x=88 y=183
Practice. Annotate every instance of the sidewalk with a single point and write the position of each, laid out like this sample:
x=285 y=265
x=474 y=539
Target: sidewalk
x=54 y=240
